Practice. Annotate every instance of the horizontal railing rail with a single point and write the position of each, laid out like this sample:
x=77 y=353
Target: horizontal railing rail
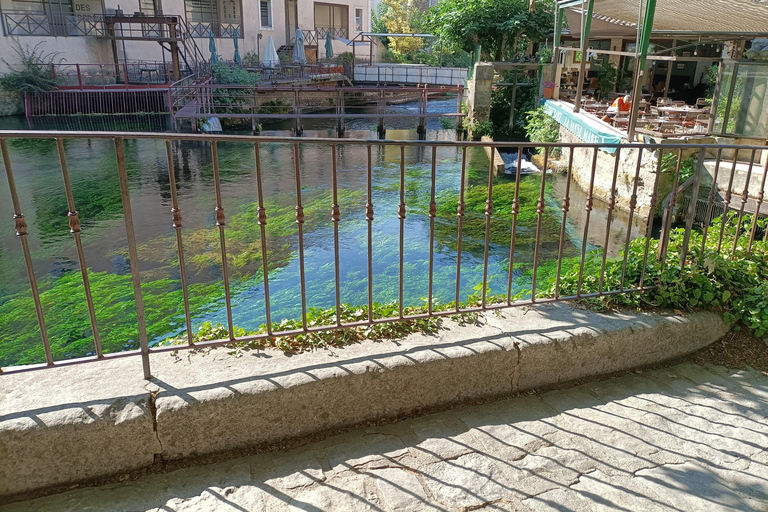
x=636 y=189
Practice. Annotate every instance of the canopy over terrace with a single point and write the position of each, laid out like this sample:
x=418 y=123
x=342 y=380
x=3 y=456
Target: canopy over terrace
x=736 y=21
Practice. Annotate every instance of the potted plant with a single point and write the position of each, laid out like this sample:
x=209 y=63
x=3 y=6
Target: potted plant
x=549 y=89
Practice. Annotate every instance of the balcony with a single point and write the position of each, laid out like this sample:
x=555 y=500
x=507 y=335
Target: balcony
x=41 y=23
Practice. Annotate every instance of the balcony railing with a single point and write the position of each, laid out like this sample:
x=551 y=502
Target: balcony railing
x=311 y=37
x=636 y=191
x=40 y=23
x=219 y=29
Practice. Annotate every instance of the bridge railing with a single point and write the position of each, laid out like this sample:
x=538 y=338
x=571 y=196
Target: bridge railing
x=637 y=189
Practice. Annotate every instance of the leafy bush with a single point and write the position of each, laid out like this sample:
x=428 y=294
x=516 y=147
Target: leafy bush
x=669 y=165
x=34 y=74
x=480 y=128
x=346 y=58
x=275 y=107
x=607 y=74
x=542 y=128
x=501 y=99
x=251 y=58
x=225 y=74
x=734 y=282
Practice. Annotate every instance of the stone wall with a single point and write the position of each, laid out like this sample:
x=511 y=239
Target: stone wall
x=625 y=176
x=10 y=103
x=479 y=93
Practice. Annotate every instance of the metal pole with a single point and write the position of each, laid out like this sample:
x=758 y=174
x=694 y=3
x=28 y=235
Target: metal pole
x=645 y=37
x=584 y=46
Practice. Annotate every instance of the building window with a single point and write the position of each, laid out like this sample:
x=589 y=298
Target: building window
x=150 y=7
x=358 y=19
x=219 y=17
x=331 y=18
x=266 y=13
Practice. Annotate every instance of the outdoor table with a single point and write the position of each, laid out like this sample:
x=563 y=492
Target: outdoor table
x=682 y=111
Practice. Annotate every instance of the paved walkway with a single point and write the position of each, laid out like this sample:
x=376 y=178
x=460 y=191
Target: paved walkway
x=685 y=438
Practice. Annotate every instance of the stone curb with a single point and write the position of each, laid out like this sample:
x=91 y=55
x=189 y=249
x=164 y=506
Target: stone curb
x=71 y=424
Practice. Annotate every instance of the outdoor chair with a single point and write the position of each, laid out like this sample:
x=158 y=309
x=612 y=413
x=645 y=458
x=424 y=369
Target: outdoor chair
x=678 y=103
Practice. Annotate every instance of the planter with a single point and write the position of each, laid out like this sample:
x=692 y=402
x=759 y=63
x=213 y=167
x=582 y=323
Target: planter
x=548 y=91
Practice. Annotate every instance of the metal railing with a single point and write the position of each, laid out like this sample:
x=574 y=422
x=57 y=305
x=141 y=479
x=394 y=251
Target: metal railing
x=635 y=199
x=41 y=23
x=102 y=76
x=207 y=99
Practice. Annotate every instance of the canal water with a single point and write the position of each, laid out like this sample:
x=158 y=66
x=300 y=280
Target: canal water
x=92 y=168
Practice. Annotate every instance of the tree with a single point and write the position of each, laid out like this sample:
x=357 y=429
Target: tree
x=502 y=27
x=399 y=18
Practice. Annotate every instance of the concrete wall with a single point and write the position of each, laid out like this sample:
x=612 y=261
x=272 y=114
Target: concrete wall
x=479 y=92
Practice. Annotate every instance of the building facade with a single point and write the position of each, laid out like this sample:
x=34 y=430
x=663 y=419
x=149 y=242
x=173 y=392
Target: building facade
x=90 y=32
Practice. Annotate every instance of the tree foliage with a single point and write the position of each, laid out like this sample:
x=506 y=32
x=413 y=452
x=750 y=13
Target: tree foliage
x=400 y=17
x=501 y=27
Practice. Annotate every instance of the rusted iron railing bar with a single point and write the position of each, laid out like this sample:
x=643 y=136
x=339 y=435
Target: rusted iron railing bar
x=42 y=134
x=711 y=199
x=632 y=206
x=261 y=213
x=20 y=225
x=221 y=222
x=133 y=255
x=460 y=209
x=488 y=213
x=335 y=214
x=513 y=232
x=300 y=227
x=669 y=213
x=744 y=199
x=432 y=214
x=588 y=209
x=401 y=216
x=176 y=222
x=759 y=203
x=74 y=228
x=609 y=220
x=727 y=201
x=565 y=207
x=649 y=228
x=539 y=214
x=369 y=222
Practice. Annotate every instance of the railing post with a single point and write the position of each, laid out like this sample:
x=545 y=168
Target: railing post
x=133 y=255
x=79 y=76
x=692 y=205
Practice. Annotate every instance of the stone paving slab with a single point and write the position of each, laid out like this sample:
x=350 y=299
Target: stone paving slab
x=673 y=439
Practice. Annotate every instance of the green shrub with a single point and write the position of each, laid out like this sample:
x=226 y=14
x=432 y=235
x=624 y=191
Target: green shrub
x=733 y=282
x=542 y=128
x=34 y=74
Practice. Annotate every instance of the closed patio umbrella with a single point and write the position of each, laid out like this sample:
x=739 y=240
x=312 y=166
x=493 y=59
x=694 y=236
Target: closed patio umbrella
x=270 y=59
x=298 y=49
x=236 y=58
x=328 y=46
x=212 y=48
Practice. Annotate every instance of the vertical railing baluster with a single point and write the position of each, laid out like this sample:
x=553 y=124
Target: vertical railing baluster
x=588 y=209
x=21 y=232
x=744 y=198
x=757 y=207
x=401 y=216
x=727 y=201
x=133 y=254
x=513 y=233
x=221 y=223
x=335 y=215
x=460 y=208
x=611 y=206
x=711 y=200
x=539 y=214
x=369 y=222
x=651 y=211
x=632 y=206
x=669 y=213
x=300 y=226
x=566 y=206
x=262 y=221
x=432 y=214
x=74 y=228
x=176 y=222
x=488 y=213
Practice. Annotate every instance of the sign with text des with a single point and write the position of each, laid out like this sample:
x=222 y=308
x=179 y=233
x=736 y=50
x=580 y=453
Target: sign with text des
x=87 y=7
